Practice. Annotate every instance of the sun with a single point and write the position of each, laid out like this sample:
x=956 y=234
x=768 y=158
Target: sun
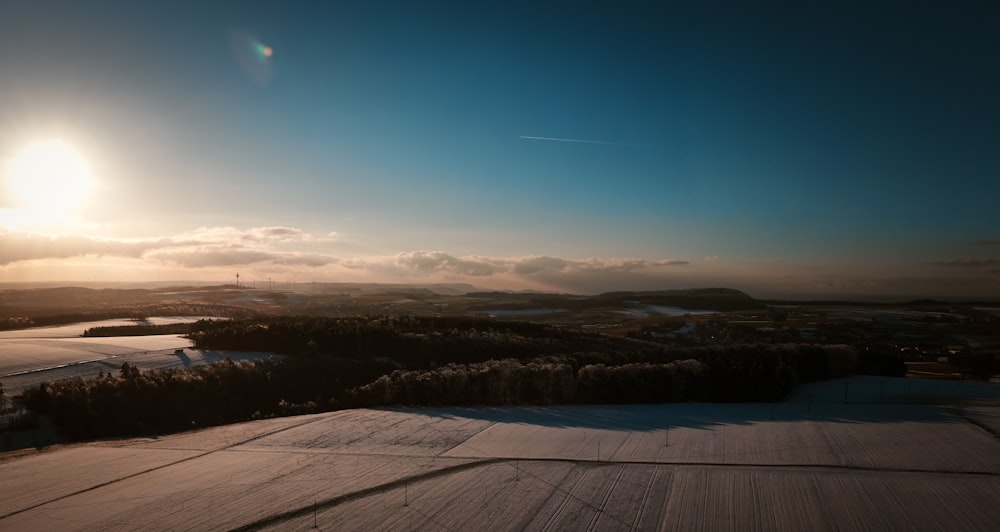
x=49 y=176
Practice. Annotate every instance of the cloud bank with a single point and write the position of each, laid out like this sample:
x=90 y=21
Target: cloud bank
x=969 y=263
x=477 y=266
x=203 y=247
x=212 y=247
x=259 y=252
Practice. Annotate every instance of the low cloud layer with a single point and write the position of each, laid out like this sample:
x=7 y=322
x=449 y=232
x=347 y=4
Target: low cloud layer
x=211 y=247
x=969 y=263
x=426 y=262
x=235 y=255
x=215 y=252
x=17 y=247
x=203 y=247
x=257 y=235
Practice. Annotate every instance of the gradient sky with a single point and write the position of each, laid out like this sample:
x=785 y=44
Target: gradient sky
x=800 y=150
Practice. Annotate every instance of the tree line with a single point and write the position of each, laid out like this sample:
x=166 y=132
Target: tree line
x=334 y=363
x=736 y=373
x=45 y=318
x=411 y=341
x=138 y=330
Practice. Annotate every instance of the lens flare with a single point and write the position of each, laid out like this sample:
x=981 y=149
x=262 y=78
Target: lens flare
x=253 y=56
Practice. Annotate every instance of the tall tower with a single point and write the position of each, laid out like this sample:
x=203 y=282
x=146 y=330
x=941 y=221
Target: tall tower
x=237 y=279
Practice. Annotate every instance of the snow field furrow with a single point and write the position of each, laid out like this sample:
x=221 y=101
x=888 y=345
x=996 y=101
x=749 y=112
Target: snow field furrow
x=368 y=494
x=96 y=484
x=718 y=498
x=217 y=438
x=561 y=502
x=37 y=479
x=839 y=436
x=653 y=509
x=380 y=432
x=492 y=496
x=582 y=505
x=821 y=466
x=222 y=490
x=622 y=499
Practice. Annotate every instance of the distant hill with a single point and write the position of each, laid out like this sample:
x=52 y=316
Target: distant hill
x=693 y=298
x=721 y=299
x=51 y=306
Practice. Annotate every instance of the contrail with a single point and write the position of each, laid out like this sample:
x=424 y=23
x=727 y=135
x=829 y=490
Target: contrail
x=575 y=140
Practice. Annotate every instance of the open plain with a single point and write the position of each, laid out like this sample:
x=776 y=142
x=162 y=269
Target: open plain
x=899 y=454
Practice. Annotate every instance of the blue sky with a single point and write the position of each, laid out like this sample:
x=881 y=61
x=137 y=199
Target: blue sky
x=797 y=149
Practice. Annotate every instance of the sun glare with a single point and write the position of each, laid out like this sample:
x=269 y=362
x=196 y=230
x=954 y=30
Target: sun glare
x=49 y=176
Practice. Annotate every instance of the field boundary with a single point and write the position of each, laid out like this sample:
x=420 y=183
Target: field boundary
x=395 y=484
x=347 y=497
x=157 y=468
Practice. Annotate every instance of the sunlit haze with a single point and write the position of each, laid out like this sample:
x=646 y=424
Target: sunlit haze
x=833 y=150
x=48 y=176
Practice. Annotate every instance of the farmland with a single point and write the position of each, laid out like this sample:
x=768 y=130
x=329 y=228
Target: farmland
x=31 y=356
x=859 y=453
x=901 y=454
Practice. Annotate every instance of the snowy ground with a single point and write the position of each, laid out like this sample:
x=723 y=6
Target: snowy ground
x=31 y=356
x=812 y=464
x=75 y=330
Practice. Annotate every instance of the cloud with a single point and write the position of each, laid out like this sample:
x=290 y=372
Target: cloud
x=535 y=265
x=990 y=242
x=226 y=246
x=428 y=262
x=277 y=247
x=208 y=257
x=17 y=247
x=968 y=263
x=623 y=265
x=234 y=255
x=436 y=260
x=259 y=235
x=203 y=247
x=273 y=249
x=229 y=246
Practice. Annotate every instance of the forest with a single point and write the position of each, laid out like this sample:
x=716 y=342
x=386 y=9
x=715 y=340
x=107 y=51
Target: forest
x=138 y=330
x=334 y=363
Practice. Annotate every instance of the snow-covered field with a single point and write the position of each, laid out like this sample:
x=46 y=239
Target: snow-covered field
x=819 y=464
x=75 y=330
x=32 y=356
